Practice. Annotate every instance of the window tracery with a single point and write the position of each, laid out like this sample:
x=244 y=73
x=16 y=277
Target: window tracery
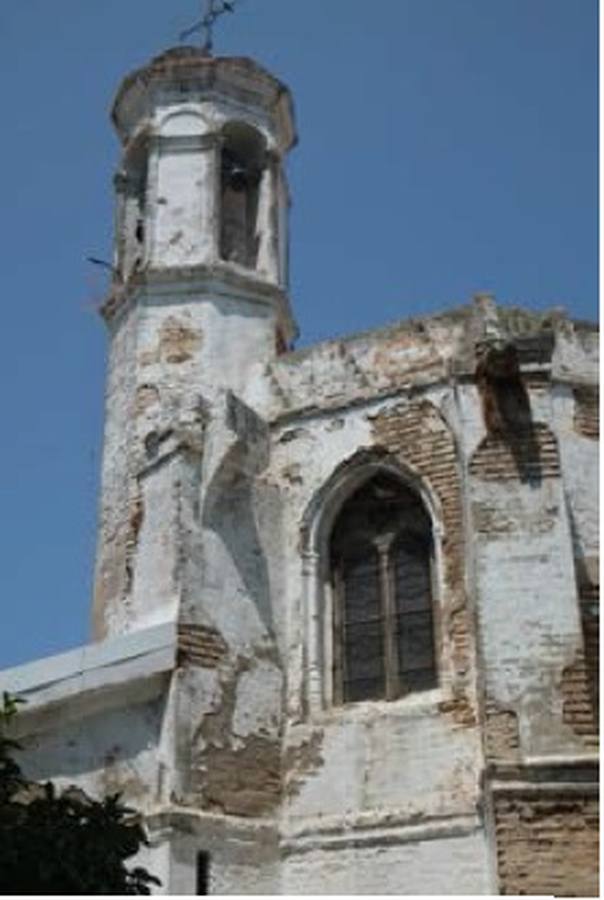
x=381 y=577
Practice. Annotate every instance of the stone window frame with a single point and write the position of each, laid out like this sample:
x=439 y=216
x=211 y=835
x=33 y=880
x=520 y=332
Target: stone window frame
x=318 y=596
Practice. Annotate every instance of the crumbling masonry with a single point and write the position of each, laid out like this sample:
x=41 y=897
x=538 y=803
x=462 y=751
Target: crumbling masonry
x=231 y=692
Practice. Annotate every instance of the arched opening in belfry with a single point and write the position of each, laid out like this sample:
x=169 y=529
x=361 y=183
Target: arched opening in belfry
x=381 y=572
x=132 y=188
x=243 y=159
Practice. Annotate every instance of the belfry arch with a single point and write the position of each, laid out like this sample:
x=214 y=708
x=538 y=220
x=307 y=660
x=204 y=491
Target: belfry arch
x=242 y=166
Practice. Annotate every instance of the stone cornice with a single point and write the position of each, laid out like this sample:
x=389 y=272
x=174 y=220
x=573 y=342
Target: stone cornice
x=237 y=78
x=216 y=280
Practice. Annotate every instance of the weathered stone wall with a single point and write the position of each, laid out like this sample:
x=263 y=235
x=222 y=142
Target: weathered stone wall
x=226 y=459
x=507 y=542
x=367 y=776
x=440 y=866
x=118 y=494
x=186 y=326
x=217 y=509
x=577 y=421
x=242 y=857
x=533 y=515
x=108 y=752
x=99 y=716
x=150 y=525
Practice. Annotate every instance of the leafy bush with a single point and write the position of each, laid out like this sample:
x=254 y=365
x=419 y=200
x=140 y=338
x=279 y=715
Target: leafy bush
x=62 y=842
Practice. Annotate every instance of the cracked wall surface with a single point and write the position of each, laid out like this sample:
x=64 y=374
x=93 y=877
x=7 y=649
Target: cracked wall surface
x=219 y=506
x=513 y=657
x=210 y=698
x=218 y=503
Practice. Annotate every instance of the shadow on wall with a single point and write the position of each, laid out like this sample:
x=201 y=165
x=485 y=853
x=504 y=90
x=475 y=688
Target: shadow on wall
x=229 y=509
x=111 y=742
x=506 y=409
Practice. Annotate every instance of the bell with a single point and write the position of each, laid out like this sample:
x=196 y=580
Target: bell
x=238 y=177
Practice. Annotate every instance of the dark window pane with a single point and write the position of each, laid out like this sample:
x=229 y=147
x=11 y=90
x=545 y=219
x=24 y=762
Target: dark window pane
x=362 y=667
x=415 y=638
x=368 y=634
x=416 y=649
x=421 y=680
x=361 y=589
x=411 y=562
x=381 y=511
x=362 y=627
x=364 y=689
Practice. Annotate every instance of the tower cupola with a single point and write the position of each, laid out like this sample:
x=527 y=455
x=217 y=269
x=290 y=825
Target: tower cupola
x=201 y=189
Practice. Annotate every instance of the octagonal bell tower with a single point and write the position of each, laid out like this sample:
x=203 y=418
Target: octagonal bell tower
x=197 y=309
x=201 y=191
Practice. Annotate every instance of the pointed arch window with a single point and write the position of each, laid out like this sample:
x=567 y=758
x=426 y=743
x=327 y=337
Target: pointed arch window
x=381 y=553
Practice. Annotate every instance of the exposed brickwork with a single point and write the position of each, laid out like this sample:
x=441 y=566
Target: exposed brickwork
x=115 y=576
x=177 y=343
x=419 y=436
x=502 y=740
x=579 y=708
x=590 y=618
x=582 y=684
x=494 y=521
x=135 y=522
x=547 y=843
x=245 y=781
x=527 y=454
x=200 y=645
x=237 y=775
x=587 y=418
x=580 y=681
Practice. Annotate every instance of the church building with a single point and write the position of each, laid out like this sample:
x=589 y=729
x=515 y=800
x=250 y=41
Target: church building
x=345 y=616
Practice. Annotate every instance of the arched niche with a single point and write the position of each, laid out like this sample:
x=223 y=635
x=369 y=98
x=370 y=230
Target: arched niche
x=183 y=122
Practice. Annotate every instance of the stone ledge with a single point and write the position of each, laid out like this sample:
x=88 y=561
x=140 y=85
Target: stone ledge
x=216 y=280
x=92 y=668
x=562 y=774
x=347 y=833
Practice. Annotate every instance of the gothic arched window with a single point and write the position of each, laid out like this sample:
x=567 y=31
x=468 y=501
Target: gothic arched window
x=381 y=570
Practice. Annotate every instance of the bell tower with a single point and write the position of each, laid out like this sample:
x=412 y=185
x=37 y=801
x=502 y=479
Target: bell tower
x=198 y=307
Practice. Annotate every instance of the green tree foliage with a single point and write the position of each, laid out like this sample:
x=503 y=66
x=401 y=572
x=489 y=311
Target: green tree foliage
x=62 y=842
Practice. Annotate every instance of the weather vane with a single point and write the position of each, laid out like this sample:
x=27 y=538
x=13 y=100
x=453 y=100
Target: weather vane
x=213 y=10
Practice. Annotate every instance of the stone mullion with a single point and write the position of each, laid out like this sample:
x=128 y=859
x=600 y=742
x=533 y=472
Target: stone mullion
x=388 y=607
x=338 y=636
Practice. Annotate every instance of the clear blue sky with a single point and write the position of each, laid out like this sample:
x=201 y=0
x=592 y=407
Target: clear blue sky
x=446 y=147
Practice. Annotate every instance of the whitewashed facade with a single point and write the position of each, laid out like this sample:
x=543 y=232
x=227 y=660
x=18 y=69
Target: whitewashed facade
x=207 y=696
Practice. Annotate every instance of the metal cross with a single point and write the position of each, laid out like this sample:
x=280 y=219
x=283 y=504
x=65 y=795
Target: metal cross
x=211 y=11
